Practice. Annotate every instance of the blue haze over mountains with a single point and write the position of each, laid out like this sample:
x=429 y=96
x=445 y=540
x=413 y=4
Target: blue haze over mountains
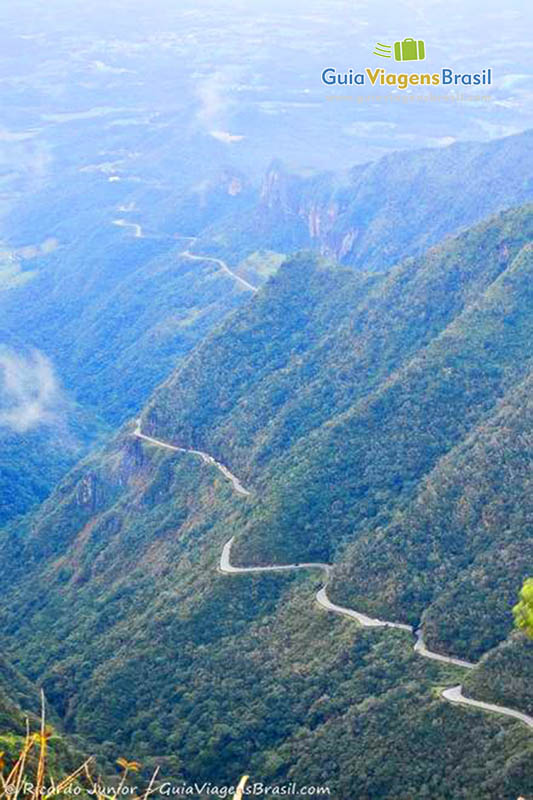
x=193 y=122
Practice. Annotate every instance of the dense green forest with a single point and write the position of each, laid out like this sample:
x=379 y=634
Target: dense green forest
x=504 y=675
x=149 y=651
x=379 y=421
x=140 y=314
x=116 y=310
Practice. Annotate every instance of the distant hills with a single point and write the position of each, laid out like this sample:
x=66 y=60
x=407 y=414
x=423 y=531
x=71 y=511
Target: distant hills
x=379 y=213
x=116 y=312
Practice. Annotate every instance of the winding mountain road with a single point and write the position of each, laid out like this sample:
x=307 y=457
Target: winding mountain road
x=206 y=458
x=422 y=650
x=225 y=564
x=139 y=234
x=223 y=266
x=367 y=622
x=453 y=695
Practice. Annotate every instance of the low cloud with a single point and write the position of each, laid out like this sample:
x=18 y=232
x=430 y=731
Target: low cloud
x=216 y=101
x=227 y=138
x=214 y=97
x=30 y=395
x=101 y=66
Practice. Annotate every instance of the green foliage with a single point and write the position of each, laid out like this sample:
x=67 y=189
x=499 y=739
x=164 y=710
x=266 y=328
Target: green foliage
x=380 y=421
x=260 y=265
x=150 y=652
x=504 y=675
x=33 y=462
x=143 y=309
x=523 y=610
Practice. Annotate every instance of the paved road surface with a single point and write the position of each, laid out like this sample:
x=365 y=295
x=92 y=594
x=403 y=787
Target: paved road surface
x=223 y=266
x=455 y=695
x=452 y=695
x=137 y=229
x=421 y=649
x=225 y=564
x=367 y=622
x=206 y=458
x=138 y=234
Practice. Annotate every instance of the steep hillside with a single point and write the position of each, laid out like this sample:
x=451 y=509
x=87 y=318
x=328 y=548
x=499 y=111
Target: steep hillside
x=504 y=674
x=148 y=648
x=318 y=341
x=32 y=461
x=378 y=421
x=426 y=392
x=92 y=275
x=124 y=320
x=116 y=293
x=457 y=553
x=17 y=697
x=111 y=332
x=20 y=710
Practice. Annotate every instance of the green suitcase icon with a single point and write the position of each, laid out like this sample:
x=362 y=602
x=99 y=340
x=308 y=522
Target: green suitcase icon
x=410 y=50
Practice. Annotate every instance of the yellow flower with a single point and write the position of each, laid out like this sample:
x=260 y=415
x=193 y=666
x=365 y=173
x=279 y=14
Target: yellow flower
x=129 y=766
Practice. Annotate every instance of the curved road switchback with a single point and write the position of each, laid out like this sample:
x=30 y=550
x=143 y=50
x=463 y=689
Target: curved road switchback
x=455 y=695
x=452 y=695
x=367 y=622
x=223 y=266
x=138 y=234
x=225 y=564
x=137 y=229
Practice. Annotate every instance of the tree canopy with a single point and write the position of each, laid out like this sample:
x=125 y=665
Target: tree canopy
x=523 y=610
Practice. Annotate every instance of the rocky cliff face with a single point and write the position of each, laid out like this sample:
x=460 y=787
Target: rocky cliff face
x=314 y=202
x=361 y=392
x=381 y=212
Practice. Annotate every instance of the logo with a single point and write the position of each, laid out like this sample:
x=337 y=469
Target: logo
x=406 y=50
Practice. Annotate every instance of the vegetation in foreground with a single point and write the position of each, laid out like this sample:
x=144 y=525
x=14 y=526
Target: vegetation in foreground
x=29 y=771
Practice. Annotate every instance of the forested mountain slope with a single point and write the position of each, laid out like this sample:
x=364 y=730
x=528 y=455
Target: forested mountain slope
x=383 y=211
x=319 y=339
x=150 y=651
x=123 y=320
x=114 y=299
x=369 y=417
x=111 y=332
x=17 y=698
x=413 y=399
x=33 y=461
